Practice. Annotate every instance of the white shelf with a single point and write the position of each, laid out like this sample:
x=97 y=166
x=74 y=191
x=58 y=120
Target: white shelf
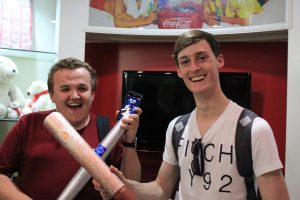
x=98 y=36
x=34 y=55
x=8 y=120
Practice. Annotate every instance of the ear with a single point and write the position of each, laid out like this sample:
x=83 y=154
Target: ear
x=93 y=95
x=220 y=60
x=178 y=72
x=51 y=95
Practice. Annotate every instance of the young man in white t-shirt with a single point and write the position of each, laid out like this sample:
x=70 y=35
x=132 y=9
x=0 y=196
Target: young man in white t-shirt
x=212 y=125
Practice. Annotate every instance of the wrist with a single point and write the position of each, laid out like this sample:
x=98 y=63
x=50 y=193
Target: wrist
x=131 y=144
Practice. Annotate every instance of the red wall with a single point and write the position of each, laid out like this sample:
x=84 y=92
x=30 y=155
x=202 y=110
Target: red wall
x=266 y=61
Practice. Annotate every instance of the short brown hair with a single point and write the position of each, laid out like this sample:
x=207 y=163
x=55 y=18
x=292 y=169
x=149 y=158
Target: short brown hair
x=191 y=37
x=71 y=63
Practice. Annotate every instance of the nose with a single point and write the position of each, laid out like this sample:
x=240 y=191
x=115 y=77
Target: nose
x=194 y=65
x=75 y=95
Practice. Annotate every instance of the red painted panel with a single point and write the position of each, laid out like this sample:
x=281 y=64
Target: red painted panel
x=266 y=61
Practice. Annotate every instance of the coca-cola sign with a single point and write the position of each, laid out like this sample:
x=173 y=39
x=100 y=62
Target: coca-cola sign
x=180 y=18
x=177 y=23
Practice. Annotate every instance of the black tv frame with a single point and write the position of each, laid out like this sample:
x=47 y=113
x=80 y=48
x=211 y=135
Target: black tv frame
x=165 y=97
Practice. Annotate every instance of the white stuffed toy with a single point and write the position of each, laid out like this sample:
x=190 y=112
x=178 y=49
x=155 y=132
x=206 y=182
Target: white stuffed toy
x=39 y=98
x=14 y=110
x=9 y=92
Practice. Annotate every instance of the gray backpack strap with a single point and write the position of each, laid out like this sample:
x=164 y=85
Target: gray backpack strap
x=102 y=126
x=178 y=130
x=243 y=149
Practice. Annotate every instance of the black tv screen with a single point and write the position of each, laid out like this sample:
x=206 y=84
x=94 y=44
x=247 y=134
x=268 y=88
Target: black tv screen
x=165 y=97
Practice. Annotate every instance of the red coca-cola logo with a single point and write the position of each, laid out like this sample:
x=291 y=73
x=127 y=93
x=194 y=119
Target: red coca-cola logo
x=177 y=23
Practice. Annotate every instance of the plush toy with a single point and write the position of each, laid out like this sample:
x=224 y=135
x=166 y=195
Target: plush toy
x=40 y=98
x=14 y=110
x=26 y=109
x=9 y=92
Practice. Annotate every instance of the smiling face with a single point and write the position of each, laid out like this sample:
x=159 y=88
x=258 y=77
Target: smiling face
x=199 y=69
x=73 y=95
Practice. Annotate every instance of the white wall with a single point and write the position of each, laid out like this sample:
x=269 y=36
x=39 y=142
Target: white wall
x=70 y=35
x=293 y=106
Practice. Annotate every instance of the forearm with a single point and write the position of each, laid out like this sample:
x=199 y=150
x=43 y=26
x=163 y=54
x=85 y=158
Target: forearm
x=8 y=190
x=235 y=20
x=130 y=166
x=148 y=191
x=129 y=22
x=161 y=188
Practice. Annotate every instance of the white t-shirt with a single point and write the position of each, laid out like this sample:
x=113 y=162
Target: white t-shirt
x=133 y=10
x=221 y=179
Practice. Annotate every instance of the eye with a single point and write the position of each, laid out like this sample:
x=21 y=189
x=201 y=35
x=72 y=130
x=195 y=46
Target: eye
x=201 y=57
x=82 y=88
x=184 y=62
x=64 y=89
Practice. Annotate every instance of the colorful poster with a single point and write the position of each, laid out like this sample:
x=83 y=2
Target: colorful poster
x=185 y=14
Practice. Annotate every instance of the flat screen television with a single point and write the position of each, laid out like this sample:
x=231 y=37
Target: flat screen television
x=165 y=97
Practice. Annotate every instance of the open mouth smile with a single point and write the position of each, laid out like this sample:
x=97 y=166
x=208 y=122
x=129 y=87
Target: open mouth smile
x=198 y=78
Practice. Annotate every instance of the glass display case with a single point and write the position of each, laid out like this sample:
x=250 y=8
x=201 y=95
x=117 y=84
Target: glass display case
x=5 y=125
x=29 y=41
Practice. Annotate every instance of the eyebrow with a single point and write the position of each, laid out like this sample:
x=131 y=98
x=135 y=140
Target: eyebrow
x=83 y=85
x=64 y=86
x=195 y=54
x=183 y=57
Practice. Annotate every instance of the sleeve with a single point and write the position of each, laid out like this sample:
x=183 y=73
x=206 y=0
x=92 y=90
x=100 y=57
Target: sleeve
x=264 y=148
x=169 y=154
x=246 y=8
x=209 y=7
x=98 y=4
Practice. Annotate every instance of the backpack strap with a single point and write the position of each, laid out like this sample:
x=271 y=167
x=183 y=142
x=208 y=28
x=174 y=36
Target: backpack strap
x=243 y=150
x=243 y=147
x=103 y=129
x=178 y=131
